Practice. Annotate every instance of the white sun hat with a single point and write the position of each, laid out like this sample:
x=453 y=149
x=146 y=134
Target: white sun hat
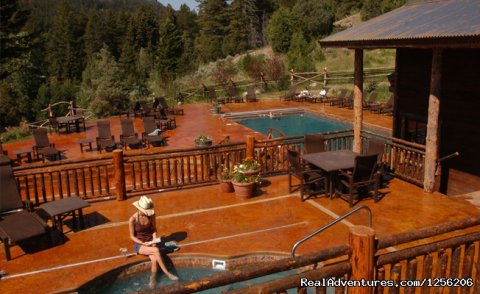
x=145 y=205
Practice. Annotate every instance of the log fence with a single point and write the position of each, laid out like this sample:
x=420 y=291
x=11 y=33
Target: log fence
x=441 y=255
x=119 y=174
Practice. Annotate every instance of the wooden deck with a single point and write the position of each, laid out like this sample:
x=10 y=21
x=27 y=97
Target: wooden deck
x=210 y=223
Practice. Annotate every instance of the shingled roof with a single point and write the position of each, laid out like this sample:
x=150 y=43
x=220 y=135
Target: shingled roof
x=447 y=23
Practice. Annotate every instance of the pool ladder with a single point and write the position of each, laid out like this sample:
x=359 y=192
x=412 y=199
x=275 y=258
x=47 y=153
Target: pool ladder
x=339 y=219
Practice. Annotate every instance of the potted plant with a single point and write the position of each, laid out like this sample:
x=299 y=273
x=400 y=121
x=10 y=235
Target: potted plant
x=203 y=141
x=215 y=108
x=225 y=179
x=244 y=177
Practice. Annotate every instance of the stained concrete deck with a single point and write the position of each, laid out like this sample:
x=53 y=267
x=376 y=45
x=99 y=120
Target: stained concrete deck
x=213 y=223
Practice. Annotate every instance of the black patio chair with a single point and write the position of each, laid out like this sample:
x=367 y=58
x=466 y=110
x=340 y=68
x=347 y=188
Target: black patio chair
x=361 y=181
x=291 y=94
x=4 y=159
x=105 y=139
x=233 y=94
x=148 y=136
x=162 y=102
x=16 y=223
x=129 y=137
x=56 y=125
x=314 y=143
x=251 y=95
x=43 y=148
x=312 y=181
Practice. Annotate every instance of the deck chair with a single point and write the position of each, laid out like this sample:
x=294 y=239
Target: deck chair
x=251 y=96
x=165 y=120
x=56 y=125
x=128 y=137
x=105 y=140
x=312 y=181
x=348 y=101
x=4 y=159
x=372 y=100
x=314 y=143
x=376 y=146
x=145 y=109
x=291 y=94
x=172 y=110
x=383 y=107
x=43 y=148
x=214 y=98
x=233 y=94
x=16 y=224
x=338 y=100
x=148 y=136
x=353 y=186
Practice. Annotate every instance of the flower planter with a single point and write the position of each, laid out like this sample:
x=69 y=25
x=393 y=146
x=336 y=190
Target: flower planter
x=252 y=172
x=226 y=186
x=205 y=144
x=244 y=190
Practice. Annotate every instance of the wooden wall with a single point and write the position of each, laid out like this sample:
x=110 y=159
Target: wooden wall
x=460 y=103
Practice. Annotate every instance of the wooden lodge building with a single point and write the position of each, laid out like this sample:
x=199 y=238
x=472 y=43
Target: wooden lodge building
x=436 y=84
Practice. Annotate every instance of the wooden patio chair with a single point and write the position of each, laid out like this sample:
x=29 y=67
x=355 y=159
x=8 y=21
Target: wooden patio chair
x=129 y=137
x=338 y=100
x=364 y=178
x=56 y=125
x=165 y=120
x=312 y=181
x=314 y=143
x=145 y=109
x=233 y=94
x=16 y=223
x=212 y=94
x=4 y=159
x=43 y=148
x=148 y=136
x=105 y=139
x=251 y=96
x=291 y=94
x=376 y=146
x=170 y=110
x=348 y=101
x=383 y=107
x=372 y=100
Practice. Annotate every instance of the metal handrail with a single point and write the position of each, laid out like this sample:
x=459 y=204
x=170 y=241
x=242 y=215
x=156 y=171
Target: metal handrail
x=294 y=248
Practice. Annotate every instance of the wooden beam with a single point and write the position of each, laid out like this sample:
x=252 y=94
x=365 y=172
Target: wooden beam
x=357 y=102
x=250 y=151
x=119 y=175
x=432 y=144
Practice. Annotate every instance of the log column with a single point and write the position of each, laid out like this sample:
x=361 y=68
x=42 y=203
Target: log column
x=432 y=144
x=357 y=102
x=119 y=175
x=250 y=152
x=362 y=243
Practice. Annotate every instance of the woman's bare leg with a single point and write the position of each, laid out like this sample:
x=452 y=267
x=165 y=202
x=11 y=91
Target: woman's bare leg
x=153 y=273
x=155 y=252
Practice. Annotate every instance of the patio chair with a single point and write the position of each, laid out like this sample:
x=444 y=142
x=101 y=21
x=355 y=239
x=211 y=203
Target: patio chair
x=338 y=100
x=233 y=94
x=105 y=140
x=148 y=136
x=16 y=224
x=163 y=103
x=364 y=177
x=4 y=159
x=56 y=125
x=145 y=109
x=376 y=146
x=164 y=120
x=128 y=137
x=214 y=98
x=321 y=96
x=251 y=96
x=291 y=94
x=43 y=148
x=383 y=107
x=312 y=181
x=348 y=101
x=314 y=143
x=372 y=100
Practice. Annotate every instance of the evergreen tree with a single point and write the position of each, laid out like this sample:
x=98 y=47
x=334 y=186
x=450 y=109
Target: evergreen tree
x=93 y=34
x=213 y=23
x=314 y=18
x=373 y=8
x=187 y=25
x=146 y=27
x=299 y=57
x=280 y=30
x=244 y=30
x=65 y=47
x=170 y=48
x=101 y=89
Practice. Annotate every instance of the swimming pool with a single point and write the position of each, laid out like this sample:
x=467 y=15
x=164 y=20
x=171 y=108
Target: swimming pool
x=294 y=124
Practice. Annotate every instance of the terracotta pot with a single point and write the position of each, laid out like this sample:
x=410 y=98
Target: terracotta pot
x=226 y=186
x=252 y=172
x=244 y=190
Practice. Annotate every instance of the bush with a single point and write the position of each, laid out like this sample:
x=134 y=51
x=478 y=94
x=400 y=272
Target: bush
x=253 y=65
x=15 y=133
x=224 y=71
x=274 y=68
x=371 y=87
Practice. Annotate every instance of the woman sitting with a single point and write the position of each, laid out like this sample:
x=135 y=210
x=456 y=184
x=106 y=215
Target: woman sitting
x=143 y=232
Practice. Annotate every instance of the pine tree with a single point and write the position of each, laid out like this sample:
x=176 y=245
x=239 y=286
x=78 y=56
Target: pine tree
x=314 y=18
x=299 y=57
x=213 y=22
x=280 y=30
x=93 y=34
x=170 y=48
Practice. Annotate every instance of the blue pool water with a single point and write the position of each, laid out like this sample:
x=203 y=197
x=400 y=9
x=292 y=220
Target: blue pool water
x=139 y=282
x=294 y=125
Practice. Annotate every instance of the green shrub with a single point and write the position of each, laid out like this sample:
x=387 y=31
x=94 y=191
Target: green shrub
x=15 y=133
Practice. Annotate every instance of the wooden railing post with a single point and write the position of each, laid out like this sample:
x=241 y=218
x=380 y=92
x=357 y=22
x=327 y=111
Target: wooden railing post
x=362 y=242
x=357 y=102
x=250 y=152
x=292 y=79
x=119 y=173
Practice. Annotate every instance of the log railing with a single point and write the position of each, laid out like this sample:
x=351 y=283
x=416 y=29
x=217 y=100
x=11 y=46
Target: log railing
x=441 y=260
x=94 y=178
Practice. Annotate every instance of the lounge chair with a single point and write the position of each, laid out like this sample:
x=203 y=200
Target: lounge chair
x=312 y=181
x=338 y=100
x=364 y=178
x=383 y=107
x=348 y=101
x=233 y=94
x=150 y=126
x=314 y=143
x=105 y=140
x=43 y=148
x=161 y=102
x=372 y=100
x=56 y=125
x=214 y=98
x=16 y=224
x=251 y=96
x=128 y=137
x=164 y=120
x=4 y=159
x=321 y=96
x=145 y=109
x=291 y=94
